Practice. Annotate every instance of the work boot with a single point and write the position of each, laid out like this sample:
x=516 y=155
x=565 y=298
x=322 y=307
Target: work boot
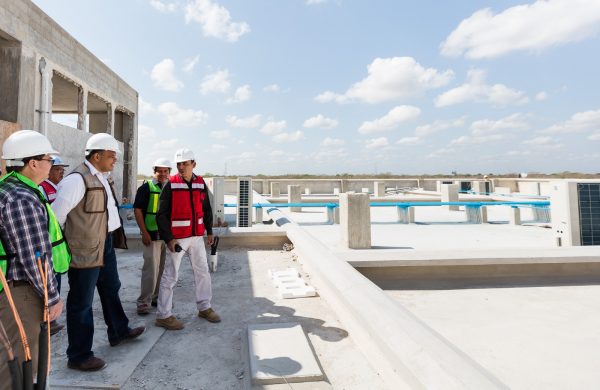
x=55 y=327
x=170 y=323
x=143 y=309
x=209 y=315
x=90 y=364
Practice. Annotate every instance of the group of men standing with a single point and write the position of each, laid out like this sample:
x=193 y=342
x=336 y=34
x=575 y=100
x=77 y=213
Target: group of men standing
x=78 y=233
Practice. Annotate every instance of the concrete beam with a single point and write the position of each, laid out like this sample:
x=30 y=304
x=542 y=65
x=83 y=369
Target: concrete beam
x=294 y=196
x=379 y=189
x=450 y=194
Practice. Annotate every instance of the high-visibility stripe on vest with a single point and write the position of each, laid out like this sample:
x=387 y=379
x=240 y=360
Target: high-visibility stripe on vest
x=49 y=189
x=186 y=207
x=61 y=254
x=150 y=219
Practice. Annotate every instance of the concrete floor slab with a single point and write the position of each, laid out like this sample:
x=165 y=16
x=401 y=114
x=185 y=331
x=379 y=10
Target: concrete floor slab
x=280 y=353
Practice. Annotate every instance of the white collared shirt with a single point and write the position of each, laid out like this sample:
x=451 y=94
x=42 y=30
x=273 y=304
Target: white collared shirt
x=72 y=189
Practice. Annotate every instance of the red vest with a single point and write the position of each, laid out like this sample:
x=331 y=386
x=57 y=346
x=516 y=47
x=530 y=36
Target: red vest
x=186 y=207
x=49 y=190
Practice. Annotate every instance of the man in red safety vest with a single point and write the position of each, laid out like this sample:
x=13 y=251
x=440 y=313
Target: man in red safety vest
x=184 y=215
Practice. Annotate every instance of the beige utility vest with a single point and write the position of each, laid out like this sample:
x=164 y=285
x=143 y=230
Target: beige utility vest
x=87 y=224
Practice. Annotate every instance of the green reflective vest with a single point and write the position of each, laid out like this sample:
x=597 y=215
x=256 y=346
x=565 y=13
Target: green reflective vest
x=61 y=254
x=150 y=219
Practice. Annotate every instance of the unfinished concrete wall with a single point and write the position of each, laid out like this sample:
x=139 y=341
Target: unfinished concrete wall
x=46 y=48
x=10 y=64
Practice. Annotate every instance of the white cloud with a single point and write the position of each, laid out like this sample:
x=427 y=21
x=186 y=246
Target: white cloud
x=190 y=64
x=594 y=136
x=181 y=117
x=391 y=120
x=470 y=140
x=289 y=137
x=437 y=126
x=162 y=6
x=377 y=143
x=217 y=82
x=241 y=94
x=146 y=131
x=220 y=134
x=163 y=77
x=408 y=141
x=332 y=142
x=166 y=144
x=390 y=79
x=320 y=121
x=543 y=143
x=247 y=156
x=313 y=2
x=218 y=147
x=144 y=107
x=579 y=122
x=476 y=90
x=531 y=27
x=272 y=88
x=277 y=153
x=249 y=122
x=272 y=127
x=215 y=20
x=541 y=96
x=511 y=122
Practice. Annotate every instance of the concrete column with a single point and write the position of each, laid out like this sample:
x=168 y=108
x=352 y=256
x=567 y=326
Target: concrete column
x=484 y=214
x=275 y=190
x=294 y=196
x=473 y=214
x=307 y=191
x=379 y=188
x=406 y=214
x=450 y=194
x=45 y=95
x=515 y=216
x=110 y=120
x=355 y=221
x=336 y=191
x=82 y=109
x=259 y=215
x=336 y=215
x=344 y=186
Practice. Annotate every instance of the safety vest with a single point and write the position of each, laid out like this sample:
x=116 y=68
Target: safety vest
x=150 y=219
x=49 y=189
x=61 y=254
x=186 y=207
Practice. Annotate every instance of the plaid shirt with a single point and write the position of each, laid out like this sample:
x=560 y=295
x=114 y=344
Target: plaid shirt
x=24 y=231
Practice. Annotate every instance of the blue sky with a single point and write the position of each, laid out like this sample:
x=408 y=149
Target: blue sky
x=340 y=86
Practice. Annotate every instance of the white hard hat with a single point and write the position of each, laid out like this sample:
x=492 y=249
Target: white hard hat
x=162 y=162
x=23 y=144
x=184 y=155
x=58 y=162
x=102 y=141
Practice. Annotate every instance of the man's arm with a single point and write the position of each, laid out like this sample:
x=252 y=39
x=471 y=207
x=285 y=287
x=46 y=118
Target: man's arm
x=208 y=214
x=70 y=192
x=163 y=215
x=142 y=197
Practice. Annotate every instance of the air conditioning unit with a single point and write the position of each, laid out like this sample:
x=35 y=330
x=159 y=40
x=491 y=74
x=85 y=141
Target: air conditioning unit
x=244 y=204
x=216 y=191
x=575 y=210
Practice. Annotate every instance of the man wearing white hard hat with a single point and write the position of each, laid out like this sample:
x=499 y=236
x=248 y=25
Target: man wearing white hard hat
x=145 y=207
x=29 y=232
x=87 y=206
x=184 y=215
x=49 y=188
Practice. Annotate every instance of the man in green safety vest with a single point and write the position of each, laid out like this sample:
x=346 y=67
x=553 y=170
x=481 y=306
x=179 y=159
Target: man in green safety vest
x=145 y=207
x=29 y=231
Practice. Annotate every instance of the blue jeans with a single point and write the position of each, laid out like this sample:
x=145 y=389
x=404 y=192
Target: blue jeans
x=80 y=319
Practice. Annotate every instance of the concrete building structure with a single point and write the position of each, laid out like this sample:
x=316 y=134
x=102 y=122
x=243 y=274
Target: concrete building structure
x=45 y=74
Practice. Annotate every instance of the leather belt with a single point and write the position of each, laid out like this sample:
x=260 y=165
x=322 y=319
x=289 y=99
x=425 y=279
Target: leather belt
x=17 y=283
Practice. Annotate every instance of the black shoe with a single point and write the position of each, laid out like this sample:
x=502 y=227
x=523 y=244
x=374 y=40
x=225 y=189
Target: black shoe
x=154 y=304
x=133 y=333
x=90 y=364
x=55 y=327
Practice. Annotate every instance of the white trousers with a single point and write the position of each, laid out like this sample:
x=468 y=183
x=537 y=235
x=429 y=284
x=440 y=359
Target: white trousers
x=197 y=254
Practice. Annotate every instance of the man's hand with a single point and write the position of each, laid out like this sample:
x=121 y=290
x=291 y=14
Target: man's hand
x=55 y=310
x=171 y=245
x=146 y=240
x=210 y=239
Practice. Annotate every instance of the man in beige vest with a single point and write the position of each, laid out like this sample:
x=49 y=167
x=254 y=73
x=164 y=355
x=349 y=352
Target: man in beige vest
x=86 y=205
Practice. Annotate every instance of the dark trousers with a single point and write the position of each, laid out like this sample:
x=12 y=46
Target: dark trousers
x=80 y=319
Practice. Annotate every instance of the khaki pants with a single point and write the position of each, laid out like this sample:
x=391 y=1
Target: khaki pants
x=30 y=308
x=154 y=262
